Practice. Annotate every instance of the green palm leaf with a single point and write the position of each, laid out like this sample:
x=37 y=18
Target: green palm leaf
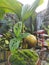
x=27 y=11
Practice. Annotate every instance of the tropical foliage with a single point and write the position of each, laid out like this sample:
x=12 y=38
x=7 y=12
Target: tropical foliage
x=12 y=29
x=22 y=12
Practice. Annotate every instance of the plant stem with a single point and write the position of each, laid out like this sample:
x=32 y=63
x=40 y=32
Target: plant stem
x=22 y=27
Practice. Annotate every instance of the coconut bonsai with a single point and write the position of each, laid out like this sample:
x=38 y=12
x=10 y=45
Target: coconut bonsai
x=23 y=57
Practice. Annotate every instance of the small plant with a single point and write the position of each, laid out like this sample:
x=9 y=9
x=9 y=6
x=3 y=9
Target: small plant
x=19 y=36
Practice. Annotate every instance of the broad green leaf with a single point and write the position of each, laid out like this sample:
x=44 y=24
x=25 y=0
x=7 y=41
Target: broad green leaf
x=14 y=44
x=18 y=28
x=12 y=5
x=27 y=11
